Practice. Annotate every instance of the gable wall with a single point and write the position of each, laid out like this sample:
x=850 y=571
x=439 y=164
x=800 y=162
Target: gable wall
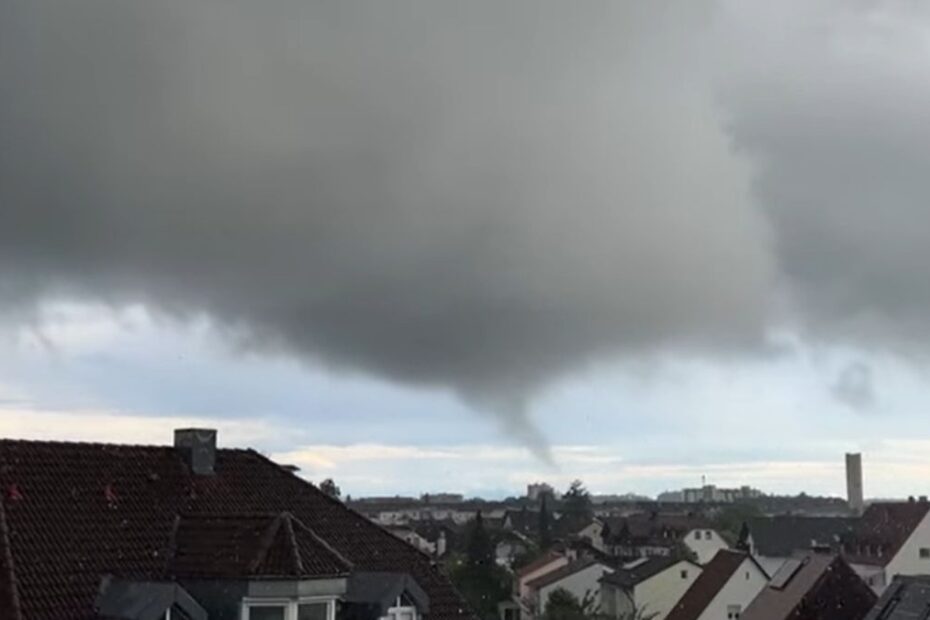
x=742 y=587
x=661 y=592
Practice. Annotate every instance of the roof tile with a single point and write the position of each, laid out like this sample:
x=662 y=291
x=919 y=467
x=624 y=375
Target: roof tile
x=64 y=533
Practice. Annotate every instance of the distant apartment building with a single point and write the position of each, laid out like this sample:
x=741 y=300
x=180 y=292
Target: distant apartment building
x=442 y=498
x=536 y=490
x=709 y=494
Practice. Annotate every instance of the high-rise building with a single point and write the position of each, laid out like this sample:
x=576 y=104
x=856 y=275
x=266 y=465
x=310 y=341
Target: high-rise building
x=535 y=490
x=854 y=482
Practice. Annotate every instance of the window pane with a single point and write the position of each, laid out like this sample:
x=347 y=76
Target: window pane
x=312 y=611
x=266 y=612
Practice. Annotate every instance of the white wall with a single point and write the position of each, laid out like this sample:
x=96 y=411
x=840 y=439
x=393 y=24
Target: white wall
x=581 y=583
x=873 y=576
x=615 y=601
x=523 y=591
x=593 y=533
x=770 y=564
x=705 y=547
x=660 y=593
x=908 y=560
x=740 y=589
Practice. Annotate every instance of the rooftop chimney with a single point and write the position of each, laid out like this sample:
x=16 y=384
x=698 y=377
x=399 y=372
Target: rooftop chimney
x=198 y=448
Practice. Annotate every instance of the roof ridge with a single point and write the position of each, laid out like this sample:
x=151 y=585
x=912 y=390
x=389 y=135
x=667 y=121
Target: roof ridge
x=292 y=539
x=319 y=540
x=265 y=542
x=172 y=543
x=8 y=559
x=343 y=505
x=100 y=444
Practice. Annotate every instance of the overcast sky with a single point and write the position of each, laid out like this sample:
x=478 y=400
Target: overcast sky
x=463 y=246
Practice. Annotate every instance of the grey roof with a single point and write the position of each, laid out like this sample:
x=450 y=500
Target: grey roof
x=907 y=598
x=782 y=535
x=629 y=577
x=561 y=573
x=144 y=600
x=821 y=587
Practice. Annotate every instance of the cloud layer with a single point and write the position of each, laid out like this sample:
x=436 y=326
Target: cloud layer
x=474 y=196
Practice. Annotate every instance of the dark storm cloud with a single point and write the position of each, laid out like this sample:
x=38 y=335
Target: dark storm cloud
x=833 y=108
x=471 y=195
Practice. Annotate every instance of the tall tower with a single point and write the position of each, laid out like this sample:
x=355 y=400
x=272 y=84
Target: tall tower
x=854 y=482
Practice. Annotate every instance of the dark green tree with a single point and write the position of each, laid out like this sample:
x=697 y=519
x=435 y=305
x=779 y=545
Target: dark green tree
x=545 y=528
x=329 y=487
x=563 y=605
x=730 y=519
x=576 y=503
x=478 y=577
x=480 y=550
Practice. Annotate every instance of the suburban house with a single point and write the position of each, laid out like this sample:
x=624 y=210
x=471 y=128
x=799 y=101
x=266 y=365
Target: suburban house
x=724 y=589
x=430 y=537
x=814 y=586
x=890 y=539
x=195 y=532
x=421 y=540
x=649 y=585
x=400 y=511
x=580 y=577
x=773 y=540
x=593 y=532
x=523 y=521
x=907 y=598
x=654 y=534
x=550 y=561
x=510 y=545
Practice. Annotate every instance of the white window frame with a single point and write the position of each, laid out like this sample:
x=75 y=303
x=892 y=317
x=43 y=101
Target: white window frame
x=394 y=612
x=290 y=605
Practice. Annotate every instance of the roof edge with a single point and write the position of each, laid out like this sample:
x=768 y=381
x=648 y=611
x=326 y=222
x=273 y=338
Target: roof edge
x=10 y=567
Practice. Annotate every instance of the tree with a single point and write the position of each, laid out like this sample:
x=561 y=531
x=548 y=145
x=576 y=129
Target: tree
x=329 y=487
x=545 y=529
x=563 y=605
x=479 y=579
x=730 y=519
x=480 y=550
x=576 y=503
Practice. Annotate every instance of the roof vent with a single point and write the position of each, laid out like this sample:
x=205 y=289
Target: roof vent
x=198 y=448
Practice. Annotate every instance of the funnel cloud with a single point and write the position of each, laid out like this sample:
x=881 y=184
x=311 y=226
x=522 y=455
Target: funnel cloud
x=480 y=197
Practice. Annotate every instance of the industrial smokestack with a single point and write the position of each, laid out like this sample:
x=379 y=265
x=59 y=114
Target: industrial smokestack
x=854 y=483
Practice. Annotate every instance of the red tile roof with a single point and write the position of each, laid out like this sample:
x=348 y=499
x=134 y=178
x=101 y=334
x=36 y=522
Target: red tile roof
x=61 y=530
x=882 y=531
x=824 y=587
x=257 y=546
x=560 y=573
x=540 y=562
x=715 y=575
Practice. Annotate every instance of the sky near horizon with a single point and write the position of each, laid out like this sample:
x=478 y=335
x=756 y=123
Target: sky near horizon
x=441 y=246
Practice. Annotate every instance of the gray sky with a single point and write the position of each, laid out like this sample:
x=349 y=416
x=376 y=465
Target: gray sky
x=470 y=206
